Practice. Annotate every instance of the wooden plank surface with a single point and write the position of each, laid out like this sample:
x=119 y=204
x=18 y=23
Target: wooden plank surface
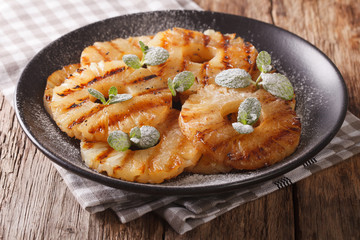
x=36 y=204
x=328 y=204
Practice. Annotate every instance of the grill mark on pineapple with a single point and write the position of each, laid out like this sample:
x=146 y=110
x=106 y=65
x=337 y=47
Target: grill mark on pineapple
x=152 y=91
x=248 y=50
x=138 y=107
x=204 y=68
x=48 y=97
x=100 y=127
x=115 y=46
x=85 y=60
x=155 y=151
x=206 y=40
x=66 y=92
x=88 y=145
x=103 y=156
x=248 y=47
x=142 y=79
x=142 y=171
x=80 y=70
x=259 y=152
x=181 y=143
x=75 y=105
x=69 y=69
x=163 y=42
x=92 y=81
x=164 y=134
x=81 y=119
x=226 y=59
x=100 y=50
x=174 y=162
x=188 y=36
x=129 y=155
x=286 y=136
x=186 y=117
x=107 y=74
x=160 y=166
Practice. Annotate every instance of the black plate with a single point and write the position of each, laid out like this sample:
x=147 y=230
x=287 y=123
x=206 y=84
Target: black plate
x=321 y=94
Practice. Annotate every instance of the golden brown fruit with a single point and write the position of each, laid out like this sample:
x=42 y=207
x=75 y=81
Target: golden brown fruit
x=206 y=119
x=205 y=55
x=78 y=113
x=54 y=80
x=112 y=50
x=153 y=165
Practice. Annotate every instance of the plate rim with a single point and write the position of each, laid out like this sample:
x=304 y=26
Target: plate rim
x=157 y=189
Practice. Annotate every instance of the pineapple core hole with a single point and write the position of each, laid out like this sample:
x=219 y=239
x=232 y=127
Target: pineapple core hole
x=232 y=117
x=198 y=54
x=230 y=107
x=229 y=111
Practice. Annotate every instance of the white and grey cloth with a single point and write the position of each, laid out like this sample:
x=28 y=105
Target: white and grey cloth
x=28 y=26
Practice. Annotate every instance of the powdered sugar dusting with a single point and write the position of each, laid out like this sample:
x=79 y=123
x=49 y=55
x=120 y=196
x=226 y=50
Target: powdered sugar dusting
x=149 y=137
x=54 y=139
x=198 y=180
x=156 y=56
x=233 y=78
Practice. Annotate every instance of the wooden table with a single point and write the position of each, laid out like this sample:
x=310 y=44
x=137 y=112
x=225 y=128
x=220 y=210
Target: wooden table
x=36 y=204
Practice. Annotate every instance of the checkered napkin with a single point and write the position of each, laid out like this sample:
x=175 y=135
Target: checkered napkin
x=27 y=26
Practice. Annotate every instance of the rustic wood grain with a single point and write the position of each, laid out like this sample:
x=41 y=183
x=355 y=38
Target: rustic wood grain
x=328 y=203
x=36 y=204
x=270 y=217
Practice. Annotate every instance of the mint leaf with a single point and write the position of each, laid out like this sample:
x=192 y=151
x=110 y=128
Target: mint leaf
x=242 y=128
x=156 y=56
x=112 y=92
x=97 y=95
x=132 y=61
x=263 y=62
x=278 y=85
x=119 y=98
x=135 y=133
x=233 y=78
x=183 y=81
x=143 y=47
x=148 y=137
x=171 y=87
x=119 y=141
x=249 y=111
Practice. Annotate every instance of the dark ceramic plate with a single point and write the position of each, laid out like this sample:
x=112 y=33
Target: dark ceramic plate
x=321 y=94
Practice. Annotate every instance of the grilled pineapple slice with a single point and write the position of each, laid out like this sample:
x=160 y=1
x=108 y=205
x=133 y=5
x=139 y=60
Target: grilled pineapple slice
x=54 y=80
x=205 y=55
x=153 y=165
x=112 y=50
x=206 y=119
x=78 y=114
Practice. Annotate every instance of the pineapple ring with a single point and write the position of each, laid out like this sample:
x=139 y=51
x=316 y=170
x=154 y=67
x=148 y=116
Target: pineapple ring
x=78 y=114
x=56 y=79
x=112 y=50
x=206 y=119
x=166 y=160
x=204 y=54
